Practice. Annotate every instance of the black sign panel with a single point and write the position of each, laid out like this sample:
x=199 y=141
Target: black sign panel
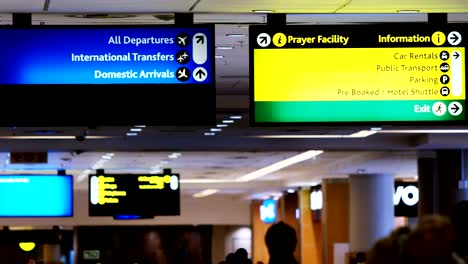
x=121 y=195
x=406 y=199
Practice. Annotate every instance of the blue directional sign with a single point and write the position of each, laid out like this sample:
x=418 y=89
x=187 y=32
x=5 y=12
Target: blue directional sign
x=106 y=55
x=161 y=75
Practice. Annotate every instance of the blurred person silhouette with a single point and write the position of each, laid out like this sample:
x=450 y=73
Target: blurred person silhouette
x=460 y=224
x=281 y=242
x=243 y=256
x=232 y=258
x=390 y=249
x=433 y=242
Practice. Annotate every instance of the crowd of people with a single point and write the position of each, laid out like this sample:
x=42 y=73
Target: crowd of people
x=434 y=240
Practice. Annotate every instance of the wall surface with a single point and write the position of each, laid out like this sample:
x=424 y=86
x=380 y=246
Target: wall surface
x=212 y=210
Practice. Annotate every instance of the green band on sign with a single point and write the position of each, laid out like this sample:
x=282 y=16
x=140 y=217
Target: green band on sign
x=359 y=111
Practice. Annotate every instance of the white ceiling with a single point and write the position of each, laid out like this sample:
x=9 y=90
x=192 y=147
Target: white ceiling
x=236 y=151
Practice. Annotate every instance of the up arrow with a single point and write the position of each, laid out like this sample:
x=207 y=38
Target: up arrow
x=200 y=74
x=200 y=40
x=456 y=55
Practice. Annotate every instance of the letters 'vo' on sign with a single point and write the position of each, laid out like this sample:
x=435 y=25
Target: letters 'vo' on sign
x=409 y=195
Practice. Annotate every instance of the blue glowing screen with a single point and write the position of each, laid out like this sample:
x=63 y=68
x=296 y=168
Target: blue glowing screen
x=36 y=196
x=106 y=55
x=268 y=211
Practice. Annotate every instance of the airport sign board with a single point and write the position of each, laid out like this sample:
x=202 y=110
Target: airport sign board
x=356 y=74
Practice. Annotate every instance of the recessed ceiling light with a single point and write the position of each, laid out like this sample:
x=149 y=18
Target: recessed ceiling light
x=228 y=121
x=235 y=117
x=205 y=193
x=225 y=47
x=236 y=35
x=262 y=11
x=209 y=134
x=215 y=129
x=132 y=134
x=141 y=126
x=221 y=125
x=136 y=129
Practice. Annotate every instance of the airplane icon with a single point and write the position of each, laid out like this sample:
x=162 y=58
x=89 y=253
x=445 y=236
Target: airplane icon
x=182 y=57
x=181 y=40
x=181 y=74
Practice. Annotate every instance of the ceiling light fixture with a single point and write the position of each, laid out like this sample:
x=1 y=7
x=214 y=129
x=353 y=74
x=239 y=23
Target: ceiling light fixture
x=219 y=56
x=360 y=134
x=236 y=117
x=408 y=11
x=235 y=35
x=427 y=131
x=207 y=181
x=140 y=126
x=136 y=129
x=209 y=134
x=221 y=125
x=228 y=121
x=205 y=193
x=225 y=47
x=280 y=165
x=131 y=134
x=262 y=11
x=215 y=129
x=52 y=137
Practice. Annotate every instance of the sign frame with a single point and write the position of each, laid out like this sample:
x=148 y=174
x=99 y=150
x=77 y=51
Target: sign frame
x=255 y=31
x=124 y=104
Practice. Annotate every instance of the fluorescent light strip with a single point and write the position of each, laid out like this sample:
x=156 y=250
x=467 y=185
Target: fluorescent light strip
x=228 y=121
x=136 y=129
x=207 y=181
x=235 y=117
x=225 y=47
x=408 y=11
x=221 y=125
x=205 y=193
x=422 y=131
x=360 y=134
x=140 y=126
x=263 y=11
x=52 y=137
x=236 y=35
x=215 y=129
x=209 y=134
x=280 y=165
x=219 y=56
x=131 y=134
x=83 y=175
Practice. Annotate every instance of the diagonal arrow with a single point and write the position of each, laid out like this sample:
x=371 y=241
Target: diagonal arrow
x=456 y=55
x=263 y=40
x=200 y=39
x=200 y=73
